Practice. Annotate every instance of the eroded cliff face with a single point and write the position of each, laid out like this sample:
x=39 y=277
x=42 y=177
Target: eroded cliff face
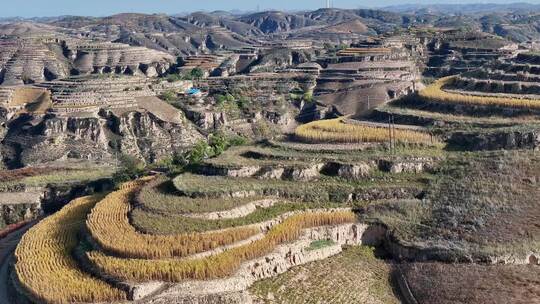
x=150 y=138
x=139 y=133
x=3 y=130
x=281 y=59
x=34 y=59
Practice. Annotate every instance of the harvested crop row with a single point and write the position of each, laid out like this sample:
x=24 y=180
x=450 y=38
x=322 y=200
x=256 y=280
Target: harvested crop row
x=435 y=93
x=337 y=131
x=152 y=223
x=216 y=266
x=109 y=226
x=44 y=265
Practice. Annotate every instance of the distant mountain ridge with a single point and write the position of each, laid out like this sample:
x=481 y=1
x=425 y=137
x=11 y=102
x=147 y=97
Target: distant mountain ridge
x=464 y=8
x=198 y=31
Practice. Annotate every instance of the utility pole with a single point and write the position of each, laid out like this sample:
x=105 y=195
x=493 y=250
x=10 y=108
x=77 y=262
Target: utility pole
x=390 y=133
x=394 y=134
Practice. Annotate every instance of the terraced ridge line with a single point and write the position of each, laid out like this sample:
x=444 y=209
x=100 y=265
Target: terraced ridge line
x=435 y=93
x=216 y=266
x=109 y=226
x=161 y=197
x=45 y=268
x=331 y=190
x=235 y=213
x=338 y=131
x=383 y=125
x=428 y=117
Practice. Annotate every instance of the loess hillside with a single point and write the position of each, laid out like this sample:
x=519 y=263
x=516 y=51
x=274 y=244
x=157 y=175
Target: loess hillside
x=330 y=156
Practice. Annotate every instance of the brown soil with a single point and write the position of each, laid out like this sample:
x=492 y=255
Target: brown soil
x=439 y=283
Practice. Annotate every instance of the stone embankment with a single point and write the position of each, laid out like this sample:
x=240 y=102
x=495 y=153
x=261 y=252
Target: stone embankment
x=279 y=261
x=307 y=172
x=20 y=203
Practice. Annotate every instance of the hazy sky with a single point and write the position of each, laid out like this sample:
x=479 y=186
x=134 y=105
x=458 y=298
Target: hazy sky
x=32 y=8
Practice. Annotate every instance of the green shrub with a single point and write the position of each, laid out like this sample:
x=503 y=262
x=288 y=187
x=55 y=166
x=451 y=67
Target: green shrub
x=199 y=152
x=196 y=73
x=168 y=95
x=308 y=96
x=129 y=168
x=315 y=245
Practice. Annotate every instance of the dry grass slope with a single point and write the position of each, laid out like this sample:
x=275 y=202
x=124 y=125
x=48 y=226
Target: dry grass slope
x=44 y=264
x=219 y=265
x=354 y=276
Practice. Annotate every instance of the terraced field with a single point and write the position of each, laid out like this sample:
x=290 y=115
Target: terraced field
x=339 y=131
x=436 y=93
x=44 y=255
x=449 y=190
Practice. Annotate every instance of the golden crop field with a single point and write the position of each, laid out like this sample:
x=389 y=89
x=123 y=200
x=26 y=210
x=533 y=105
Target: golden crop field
x=109 y=225
x=219 y=265
x=435 y=93
x=44 y=265
x=337 y=131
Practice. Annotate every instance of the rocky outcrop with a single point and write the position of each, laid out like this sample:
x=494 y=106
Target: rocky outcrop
x=206 y=120
x=495 y=140
x=306 y=173
x=138 y=133
x=311 y=170
x=151 y=138
x=3 y=131
x=281 y=58
x=22 y=203
x=16 y=207
x=349 y=171
x=90 y=57
x=409 y=165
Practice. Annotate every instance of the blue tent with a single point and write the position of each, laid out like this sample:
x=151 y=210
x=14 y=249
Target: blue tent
x=193 y=91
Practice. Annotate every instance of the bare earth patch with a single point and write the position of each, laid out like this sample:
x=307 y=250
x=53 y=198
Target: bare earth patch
x=439 y=283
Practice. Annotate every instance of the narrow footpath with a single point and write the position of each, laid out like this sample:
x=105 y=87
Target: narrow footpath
x=7 y=248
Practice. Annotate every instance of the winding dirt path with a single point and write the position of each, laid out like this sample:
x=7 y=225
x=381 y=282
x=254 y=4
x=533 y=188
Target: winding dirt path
x=7 y=248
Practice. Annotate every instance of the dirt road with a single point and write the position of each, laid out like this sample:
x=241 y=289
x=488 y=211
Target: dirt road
x=7 y=247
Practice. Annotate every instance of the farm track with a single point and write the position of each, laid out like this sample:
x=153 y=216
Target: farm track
x=383 y=125
x=7 y=247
